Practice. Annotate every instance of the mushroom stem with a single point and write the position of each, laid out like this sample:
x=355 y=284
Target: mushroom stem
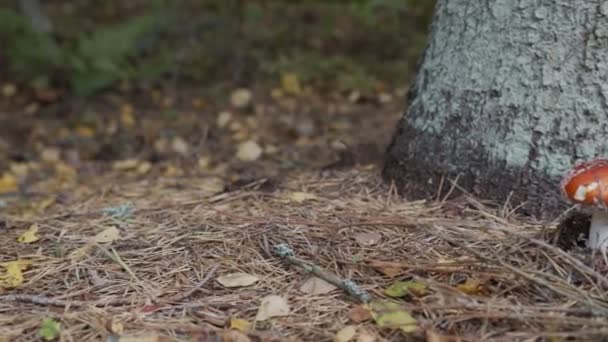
x=598 y=232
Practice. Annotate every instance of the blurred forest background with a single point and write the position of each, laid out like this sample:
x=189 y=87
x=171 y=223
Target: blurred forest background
x=148 y=79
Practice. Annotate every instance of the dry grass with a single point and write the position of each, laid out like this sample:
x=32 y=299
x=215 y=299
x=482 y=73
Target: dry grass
x=160 y=276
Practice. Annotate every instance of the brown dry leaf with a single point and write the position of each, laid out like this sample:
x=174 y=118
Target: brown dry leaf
x=13 y=276
x=368 y=238
x=365 y=336
x=240 y=324
x=272 y=306
x=299 y=196
x=241 y=98
x=346 y=334
x=8 y=183
x=316 y=286
x=126 y=164
x=30 y=235
x=238 y=279
x=359 y=314
x=235 y=336
x=249 y=151
x=471 y=287
x=108 y=235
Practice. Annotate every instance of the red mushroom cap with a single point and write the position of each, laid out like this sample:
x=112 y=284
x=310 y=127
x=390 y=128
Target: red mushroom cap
x=587 y=183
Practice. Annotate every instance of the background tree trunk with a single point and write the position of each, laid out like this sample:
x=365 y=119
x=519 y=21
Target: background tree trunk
x=507 y=97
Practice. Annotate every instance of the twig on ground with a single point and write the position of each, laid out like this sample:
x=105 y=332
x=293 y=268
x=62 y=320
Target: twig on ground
x=286 y=253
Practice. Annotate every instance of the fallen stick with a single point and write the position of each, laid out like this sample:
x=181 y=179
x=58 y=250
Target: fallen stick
x=284 y=252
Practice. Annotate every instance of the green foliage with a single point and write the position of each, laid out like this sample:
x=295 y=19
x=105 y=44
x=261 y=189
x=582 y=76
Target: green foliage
x=49 y=329
x=90 y=62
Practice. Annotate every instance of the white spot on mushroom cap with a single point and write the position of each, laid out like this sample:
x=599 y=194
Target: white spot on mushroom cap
x=581 y=193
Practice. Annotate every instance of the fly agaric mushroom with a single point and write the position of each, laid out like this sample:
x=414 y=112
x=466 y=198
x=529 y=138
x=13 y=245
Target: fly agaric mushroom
x=587 y=184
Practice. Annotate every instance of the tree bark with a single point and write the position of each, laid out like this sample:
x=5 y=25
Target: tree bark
x=507 y=97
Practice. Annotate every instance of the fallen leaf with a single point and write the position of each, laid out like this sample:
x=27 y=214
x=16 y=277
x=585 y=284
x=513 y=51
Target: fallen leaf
x=144 y=167
x=388 y=314
x=223 y=119
x=432 y=336
x=117 y=327
x=405 y=288
x=179 y=145
x=249 y=151
x=85 y=131
x=241 y=98
x=272 y=306
x=237 y=279
x=346 y=334
x=240 y=324
x=49 y=329
x=108 y=235
x=291 y=83
x=50 y=155
x=235 y=336
x=300 y=197
x=13 y=276
x=316 y=286
x=126 y=164
x=8 y=183
x=368 y=238
x=365 y=336
x=471 y=287
x=203 y=163
x=30 y=235
x=9 y=89
x=126 y=115
x=19 y=169
x=359 y=314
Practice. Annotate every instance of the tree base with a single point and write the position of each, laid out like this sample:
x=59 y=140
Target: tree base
x=423 y=166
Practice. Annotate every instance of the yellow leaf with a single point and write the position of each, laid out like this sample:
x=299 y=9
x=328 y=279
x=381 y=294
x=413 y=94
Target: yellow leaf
x=405 y=288
x=240 y=324
x=8 y=183
x=346 y=334
x=291 y=83
x=13 y=276
x=126 y=115
x=471 y=287
x=29 y=235
x=300 y=197
x=391 y=315
x=45 y=203
x=85 y=131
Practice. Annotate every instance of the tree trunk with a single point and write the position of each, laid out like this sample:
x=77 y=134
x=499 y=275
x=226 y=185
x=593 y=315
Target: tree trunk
x=508 y=96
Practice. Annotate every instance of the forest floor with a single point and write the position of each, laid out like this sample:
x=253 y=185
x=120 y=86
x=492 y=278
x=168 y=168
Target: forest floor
x=236 y=214
x=176 y=238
